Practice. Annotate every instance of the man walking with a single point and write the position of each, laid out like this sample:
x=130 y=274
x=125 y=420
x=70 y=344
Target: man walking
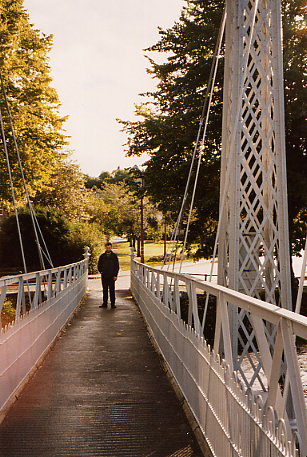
x=108 y=266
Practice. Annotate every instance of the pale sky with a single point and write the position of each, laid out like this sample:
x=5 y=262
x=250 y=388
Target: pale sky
x=98 y=68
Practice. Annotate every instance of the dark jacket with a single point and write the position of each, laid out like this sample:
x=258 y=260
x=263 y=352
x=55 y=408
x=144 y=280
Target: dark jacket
x=108 y=264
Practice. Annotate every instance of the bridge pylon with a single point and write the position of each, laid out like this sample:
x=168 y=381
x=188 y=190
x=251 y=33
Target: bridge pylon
x=253 y=255
x=253 y=241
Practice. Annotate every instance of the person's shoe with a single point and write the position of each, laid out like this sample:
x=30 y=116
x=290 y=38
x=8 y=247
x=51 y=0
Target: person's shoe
x=104 y=305
x=113 y=305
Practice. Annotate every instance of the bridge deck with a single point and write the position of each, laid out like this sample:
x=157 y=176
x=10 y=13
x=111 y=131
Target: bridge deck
x=100 y=392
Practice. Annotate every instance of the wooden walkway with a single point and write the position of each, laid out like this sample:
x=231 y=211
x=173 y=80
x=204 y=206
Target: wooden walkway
x=101 y=391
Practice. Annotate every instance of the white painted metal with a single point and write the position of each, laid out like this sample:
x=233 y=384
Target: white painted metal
x=253 y=180
x=238 y=418
x=254 y=256
x=301 y=281
x=24 y=342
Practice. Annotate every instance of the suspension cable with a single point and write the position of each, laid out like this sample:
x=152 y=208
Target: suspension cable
x=202 y=120
x=12 y=190
x=46 y=252
x=209 y=96
x=203 y=123
x=32 y=213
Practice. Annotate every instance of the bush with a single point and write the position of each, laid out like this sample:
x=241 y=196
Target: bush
x=7 y=313
x=156 y=258
x=85 y=234
x=65 y=241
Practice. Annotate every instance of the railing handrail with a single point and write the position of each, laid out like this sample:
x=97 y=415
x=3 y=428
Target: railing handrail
x=260 y=356
x=43 y=301
x=265 y=310
x=14 y=279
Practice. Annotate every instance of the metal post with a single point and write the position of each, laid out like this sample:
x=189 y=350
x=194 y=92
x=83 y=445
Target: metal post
x=142 y=231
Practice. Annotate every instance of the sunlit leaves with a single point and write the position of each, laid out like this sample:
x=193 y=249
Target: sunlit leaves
x=34 y=104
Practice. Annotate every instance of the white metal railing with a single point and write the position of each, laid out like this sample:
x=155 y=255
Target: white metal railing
x=236 y=420
x=44 y=301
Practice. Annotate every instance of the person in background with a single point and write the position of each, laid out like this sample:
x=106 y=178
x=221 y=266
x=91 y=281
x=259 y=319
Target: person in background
x=108 y=266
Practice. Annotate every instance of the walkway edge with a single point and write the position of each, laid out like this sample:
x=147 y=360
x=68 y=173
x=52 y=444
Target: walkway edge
x=202 y=442
x=19 y=388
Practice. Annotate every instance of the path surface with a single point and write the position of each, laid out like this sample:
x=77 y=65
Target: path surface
x=100 y=392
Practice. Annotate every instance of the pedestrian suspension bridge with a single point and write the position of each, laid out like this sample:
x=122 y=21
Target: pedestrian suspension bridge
x=230 y=347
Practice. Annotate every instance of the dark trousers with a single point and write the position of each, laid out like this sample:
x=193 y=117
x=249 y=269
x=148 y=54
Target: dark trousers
x=108 y=285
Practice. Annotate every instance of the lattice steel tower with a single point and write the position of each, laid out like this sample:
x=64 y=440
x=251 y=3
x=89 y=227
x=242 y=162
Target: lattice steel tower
x=253 y=240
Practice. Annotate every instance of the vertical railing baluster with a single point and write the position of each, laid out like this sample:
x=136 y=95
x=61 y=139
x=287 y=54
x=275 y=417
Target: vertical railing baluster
x=65 y=279
x=37 y=291
x=23 y=299
x=152 y=281
x=177 y=297
x=2 y=299
x=171 y=296
x=70 y=276
x=19 y=298
x=165 y=290
x=190 y=311
x=226 y=330
x=140 y=273
x=218 y=326
x=58 y=281
x=49 y=285
x=195 y=308
x=158 y=294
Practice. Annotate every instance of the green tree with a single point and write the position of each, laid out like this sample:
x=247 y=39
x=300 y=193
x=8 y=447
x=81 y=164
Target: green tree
x=121 y=216
x=295 y=45
x=170 y=115
x=58 y=235
x=65 y=240
x=116 y=210
x=91 y=182
x=88 y=234
x=33 y=102
x=66 y=192
x=168 y=130
x=115 y=177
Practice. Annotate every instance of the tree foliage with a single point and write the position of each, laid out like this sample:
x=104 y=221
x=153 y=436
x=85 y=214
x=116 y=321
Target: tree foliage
x=116 y=210
x=169 y=116
x=56 y=186
x=66 y=192
x=295 y=45
x=65 y=240
x=58 y=234
x=117 y=176
x=168 y=130
x=34 y=104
